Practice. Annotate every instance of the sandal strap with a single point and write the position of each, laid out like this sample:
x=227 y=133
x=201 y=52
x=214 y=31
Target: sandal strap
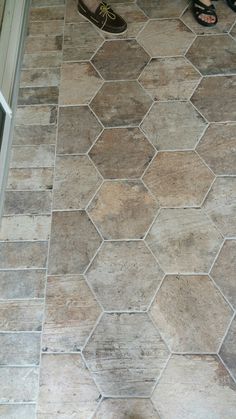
x=202 y=8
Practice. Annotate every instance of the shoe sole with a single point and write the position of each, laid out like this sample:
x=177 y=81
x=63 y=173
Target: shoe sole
x=99 y=29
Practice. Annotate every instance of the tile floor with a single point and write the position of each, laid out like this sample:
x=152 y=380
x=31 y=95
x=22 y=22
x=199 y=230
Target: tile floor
x=118 y=241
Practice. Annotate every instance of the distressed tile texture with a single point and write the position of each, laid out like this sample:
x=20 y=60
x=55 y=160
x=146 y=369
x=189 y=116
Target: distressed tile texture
x=117 y=242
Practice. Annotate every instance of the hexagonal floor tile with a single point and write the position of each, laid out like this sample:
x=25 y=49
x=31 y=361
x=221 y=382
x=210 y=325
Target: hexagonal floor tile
x=123 y=210
x=169 y=78
x=74 y=241
x=126 y=409
x=71 y=312
x=121 y=103
x=184 y=240
x=134 y=17
x=218 y=148
x=124 y=276
x=224 y=24
x=79 y=83
x=120 y=60
x=220 y=205
x=122 y=153
x=75 y=182
x=80 y=41
x=191 y=314
x=162 y=8
x=215 y=97
x=178 y=179
x=77 y=130
x=221 y=60
x=208 y=389
x=126 y=354
x=173 y=38
x=223 y=271
x=66 y=388
x=228 y=349
x=173 y=125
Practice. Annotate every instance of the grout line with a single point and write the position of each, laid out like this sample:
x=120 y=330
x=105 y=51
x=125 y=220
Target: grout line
x=226 y=332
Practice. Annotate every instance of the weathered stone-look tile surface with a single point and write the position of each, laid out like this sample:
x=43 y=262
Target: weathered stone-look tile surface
x=169 y=78
x=79 y=83
x=30 y=179
x=34 y=135
x=208 y=389
x=122 y=153
x=159 y=40
x=27 y=202
x=161 y=8
x=40 y=78
x=220 y=205
x=18 y=411
x=173 y=125
x=191 y=314
x=19 y=384
x=77 y=130
x=22 y=255
x=66 y=388
x=36 y=115
x=75 y=182
x=228 y=349
x=32 y=156
x=45 y=28
x=126 y=409
x=47 y=13
x=223 y=271
x=19 y=348
x=121 y=103
x=218 y=148
x=74 y=241
x=124 y=276
x=126 y=354
x=80 y=41
x=22 y=284
x=21 y=315
x=221 y=60
x=38 y=44
x=48 y=59
x=120 y=60
x=184 y=240
x=71 y=312
x=38 y=95
x=211 y=101
x=178 y=179
x=25 y=227
x=123 y=210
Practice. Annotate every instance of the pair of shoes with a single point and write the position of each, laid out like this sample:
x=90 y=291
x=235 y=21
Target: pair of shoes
x=104 y=18
x=200 y=8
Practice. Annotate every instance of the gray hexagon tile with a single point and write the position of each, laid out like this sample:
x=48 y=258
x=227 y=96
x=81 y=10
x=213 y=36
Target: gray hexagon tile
x=123 y=210
x=79 y=83
x=169 y=78
x=161 y=8
x=225 y=22
x=160 y=39
x=125 y=355
x=211 y=99
x=71 y=312
x=74 y=241
x=220 y=205
x=208 y=389
x=80 y=41
x=218 y=148
x=120 y=60
x=66 y=388
x=228 y=349
x=75 y=182
x=78 y=128
x=223 y=271
x=121 y=103
x=124 y=276
x=122 y=153
x=126 y=409
x=178 y=179
x=173 y=125
x=221 y=60
x=184 y=240
x=191 y=314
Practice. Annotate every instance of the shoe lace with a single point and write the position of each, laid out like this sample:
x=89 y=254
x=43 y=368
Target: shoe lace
x=106 y=12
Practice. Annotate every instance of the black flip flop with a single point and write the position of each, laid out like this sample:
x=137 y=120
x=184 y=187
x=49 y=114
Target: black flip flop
x=200 y=8
x=232 y=4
